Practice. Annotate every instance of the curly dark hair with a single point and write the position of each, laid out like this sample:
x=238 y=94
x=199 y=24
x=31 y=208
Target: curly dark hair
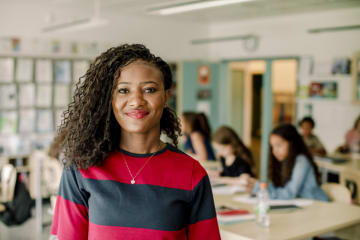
x=278 y=175
x=89 y=125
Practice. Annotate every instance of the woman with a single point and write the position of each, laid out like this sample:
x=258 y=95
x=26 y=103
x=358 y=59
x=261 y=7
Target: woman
x=197 y=136
x=122 y=181
x=236 y=158
x=293 y=172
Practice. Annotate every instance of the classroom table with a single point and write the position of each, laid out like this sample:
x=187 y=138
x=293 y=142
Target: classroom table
x=351 y=164
x=309 y=221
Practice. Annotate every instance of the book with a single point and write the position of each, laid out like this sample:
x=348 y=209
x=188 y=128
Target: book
x=227 y=215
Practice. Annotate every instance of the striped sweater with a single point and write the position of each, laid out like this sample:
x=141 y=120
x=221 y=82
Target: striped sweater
x=170 y=200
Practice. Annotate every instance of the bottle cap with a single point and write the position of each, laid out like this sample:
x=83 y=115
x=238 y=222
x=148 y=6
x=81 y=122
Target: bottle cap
x=263 y=185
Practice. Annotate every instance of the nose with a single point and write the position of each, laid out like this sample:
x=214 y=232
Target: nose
x=136 y=99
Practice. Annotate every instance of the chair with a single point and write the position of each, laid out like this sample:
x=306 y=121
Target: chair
x=337 y=192
x=351 y=180
x=7 y=184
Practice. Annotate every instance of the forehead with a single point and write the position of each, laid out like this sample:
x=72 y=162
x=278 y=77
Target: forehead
x=276 y=139
x=138 y=71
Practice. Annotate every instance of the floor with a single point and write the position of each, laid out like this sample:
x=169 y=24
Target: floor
x=26 y=231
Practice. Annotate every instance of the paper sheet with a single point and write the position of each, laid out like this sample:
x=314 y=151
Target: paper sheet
x=6 y=70
x=44 y=95
x=228 y=189
x=62 y=71
x=44 y=121
x=27 y=121
x=26 y=95
x=8 y=96
x=24 y=70
x=298 y=202
x=8 y=122
x=43 y=71
x=61 y=97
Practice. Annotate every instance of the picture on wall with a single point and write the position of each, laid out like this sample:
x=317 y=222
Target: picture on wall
x=62 y=71
x=341 y=66
x=323 y=90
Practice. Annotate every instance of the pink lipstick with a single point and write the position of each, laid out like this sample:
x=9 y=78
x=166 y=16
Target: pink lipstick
x=137 y=114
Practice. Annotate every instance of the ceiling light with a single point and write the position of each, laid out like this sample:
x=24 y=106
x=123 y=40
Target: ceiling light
x=79 y=24
x=192 y=6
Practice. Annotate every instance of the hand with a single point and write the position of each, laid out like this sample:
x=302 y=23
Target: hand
x=250 y=184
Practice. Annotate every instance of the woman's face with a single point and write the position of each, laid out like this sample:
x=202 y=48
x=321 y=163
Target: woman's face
x=280 y=147
x=139 y=98
x=223 y=150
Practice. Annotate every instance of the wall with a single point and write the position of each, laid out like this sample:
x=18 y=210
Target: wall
x=169 y=39
x=287 y=36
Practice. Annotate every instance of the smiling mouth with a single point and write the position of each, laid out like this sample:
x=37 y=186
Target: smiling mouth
x=137 y=114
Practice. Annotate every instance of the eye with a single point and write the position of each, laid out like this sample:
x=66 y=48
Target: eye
x=150 y=90
x=123 y=90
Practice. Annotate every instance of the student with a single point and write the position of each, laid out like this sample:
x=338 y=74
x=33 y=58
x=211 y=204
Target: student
x=315 y=146
x=293 y=172
x=236 y=158
x=352 y=138
x=122 y=181
x=197 y=137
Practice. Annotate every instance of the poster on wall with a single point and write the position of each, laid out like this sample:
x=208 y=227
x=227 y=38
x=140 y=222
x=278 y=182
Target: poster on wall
x=26 y=120
x=8 y=96
x=62 y=71
x=341 y=66
x=43 y=71
x=61 y=97
x=26 y=95
x=6 y=70
x=44 y=95
x=79 y=69
x=8 y=122
x=24 y=70
x=204 y=75
x=44 y=121
x=323 y=90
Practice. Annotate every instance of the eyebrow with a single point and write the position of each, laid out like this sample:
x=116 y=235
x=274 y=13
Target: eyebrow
x=143 y=83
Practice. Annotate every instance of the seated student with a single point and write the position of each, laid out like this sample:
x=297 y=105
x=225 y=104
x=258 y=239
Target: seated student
x=293 y=172
x=352 y=138
x=315 y=146
x=236 y=158
x=197 y=138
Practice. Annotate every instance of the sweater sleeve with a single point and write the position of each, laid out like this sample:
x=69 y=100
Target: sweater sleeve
x=203 y=222
x=70 y=219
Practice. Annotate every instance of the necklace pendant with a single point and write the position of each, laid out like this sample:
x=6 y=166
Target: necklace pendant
x=132 y=181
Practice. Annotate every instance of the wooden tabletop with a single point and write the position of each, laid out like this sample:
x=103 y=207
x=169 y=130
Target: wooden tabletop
x=313 y=220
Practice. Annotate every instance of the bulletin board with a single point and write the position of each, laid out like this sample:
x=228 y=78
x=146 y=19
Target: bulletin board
x=34 y=92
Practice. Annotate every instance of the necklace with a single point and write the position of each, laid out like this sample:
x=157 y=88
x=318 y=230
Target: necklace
x=138 y=172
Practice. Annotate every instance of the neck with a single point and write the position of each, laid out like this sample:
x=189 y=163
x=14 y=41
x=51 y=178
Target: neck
x=230 y=160
x=140 y=143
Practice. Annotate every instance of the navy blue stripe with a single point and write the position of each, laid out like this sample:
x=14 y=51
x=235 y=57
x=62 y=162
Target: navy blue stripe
x=203 y=202
x=71 y=187
x=140 y=206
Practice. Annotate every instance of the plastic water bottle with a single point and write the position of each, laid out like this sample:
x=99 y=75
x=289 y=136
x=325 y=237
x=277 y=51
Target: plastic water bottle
x=263 y=206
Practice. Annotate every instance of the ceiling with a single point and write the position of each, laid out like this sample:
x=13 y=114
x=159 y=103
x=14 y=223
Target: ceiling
x=240 y=11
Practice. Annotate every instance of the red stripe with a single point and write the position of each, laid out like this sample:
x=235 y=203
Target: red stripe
x=70 y=220
x=206 y=229
x=128 y=233
x=169 y=169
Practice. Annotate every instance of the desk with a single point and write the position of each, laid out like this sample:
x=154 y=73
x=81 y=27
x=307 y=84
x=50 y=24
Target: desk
x=352 y=164
x=313 y=220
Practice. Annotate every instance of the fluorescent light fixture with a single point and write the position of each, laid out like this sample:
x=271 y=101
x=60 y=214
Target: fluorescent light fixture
x=79 y=24
x=192 y=6
x=76 y=25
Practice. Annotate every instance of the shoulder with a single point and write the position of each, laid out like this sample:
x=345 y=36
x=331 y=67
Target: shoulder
x=184 y=163
x=302 y=160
